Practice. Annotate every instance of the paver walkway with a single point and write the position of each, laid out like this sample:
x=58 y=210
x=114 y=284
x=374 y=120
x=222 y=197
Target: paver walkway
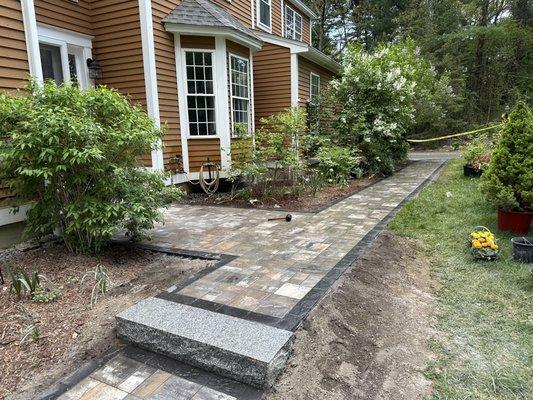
x=278 y=263
x=272 y=272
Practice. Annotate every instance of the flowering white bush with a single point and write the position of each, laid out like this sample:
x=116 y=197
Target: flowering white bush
x=378 y=99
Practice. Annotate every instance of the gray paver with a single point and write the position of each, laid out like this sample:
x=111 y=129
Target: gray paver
x=270 y=254
x=243 y=350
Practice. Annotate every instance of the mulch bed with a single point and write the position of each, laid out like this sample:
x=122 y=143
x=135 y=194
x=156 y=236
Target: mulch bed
x=71 y=330
x=306 y=202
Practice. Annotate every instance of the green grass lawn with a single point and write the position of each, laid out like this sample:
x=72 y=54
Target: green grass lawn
x=485 y=309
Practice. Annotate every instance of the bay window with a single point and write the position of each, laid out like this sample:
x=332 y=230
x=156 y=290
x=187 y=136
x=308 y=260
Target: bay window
x=200 y=93
x=240 y=94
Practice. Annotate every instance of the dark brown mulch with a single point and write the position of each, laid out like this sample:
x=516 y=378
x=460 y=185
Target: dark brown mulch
x=306 y=202
x=71 y=331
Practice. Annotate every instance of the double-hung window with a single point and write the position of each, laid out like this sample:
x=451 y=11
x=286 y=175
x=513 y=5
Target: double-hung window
x=240 y=93
x=200 y=93
x=264 y=14
x=293 y=24
x=314 y=89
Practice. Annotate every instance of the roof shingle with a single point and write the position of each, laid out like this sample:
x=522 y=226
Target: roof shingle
x=205 y=13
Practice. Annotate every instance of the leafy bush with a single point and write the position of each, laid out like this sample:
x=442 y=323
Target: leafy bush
x=379 y=98
x=338 y=164
x=77 y=156
x=508 y=181
x=273 y=155
x=477 y=154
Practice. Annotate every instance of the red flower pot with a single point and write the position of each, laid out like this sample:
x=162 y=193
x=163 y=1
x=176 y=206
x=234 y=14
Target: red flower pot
x=514 y=221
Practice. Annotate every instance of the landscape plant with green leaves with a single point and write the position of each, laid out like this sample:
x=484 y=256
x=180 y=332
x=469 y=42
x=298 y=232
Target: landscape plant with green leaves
x=508 y=180
x=480 y=48
x=378 y=98
x=76 y=157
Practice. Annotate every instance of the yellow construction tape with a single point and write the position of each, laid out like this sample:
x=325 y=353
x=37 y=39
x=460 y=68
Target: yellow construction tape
x=454 y=135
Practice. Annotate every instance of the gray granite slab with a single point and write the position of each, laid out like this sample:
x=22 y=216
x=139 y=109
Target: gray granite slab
x=243 y=350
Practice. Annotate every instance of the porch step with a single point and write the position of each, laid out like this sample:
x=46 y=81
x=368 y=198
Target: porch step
x=243 y=350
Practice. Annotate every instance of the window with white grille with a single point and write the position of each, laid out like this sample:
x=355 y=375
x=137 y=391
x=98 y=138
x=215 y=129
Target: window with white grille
x=240 y=93
x=293 y=24
x=200 y=93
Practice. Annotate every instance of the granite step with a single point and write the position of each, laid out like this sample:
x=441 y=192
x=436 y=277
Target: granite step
x=242 y=350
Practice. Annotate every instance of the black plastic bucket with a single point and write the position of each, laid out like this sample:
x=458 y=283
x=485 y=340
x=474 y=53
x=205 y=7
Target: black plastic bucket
x=523 y=249
x=471 y=172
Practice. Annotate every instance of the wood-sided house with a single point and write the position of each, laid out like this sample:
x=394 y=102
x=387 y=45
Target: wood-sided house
x=198 y=66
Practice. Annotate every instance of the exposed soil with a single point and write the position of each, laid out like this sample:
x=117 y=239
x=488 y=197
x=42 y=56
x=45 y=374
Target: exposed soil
x=304 y=202
x=71 y=331
x=368 y=339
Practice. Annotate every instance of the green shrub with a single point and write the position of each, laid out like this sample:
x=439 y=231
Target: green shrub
x=338 y=164
x=271 y=157
x=477 y=153
x=77 y=156
x=508 y=181
x=380 y=97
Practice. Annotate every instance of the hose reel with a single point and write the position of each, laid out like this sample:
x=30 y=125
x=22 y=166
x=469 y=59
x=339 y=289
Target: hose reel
x=209 y=183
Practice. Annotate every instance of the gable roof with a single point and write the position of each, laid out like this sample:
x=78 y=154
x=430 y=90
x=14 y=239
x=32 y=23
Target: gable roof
x=205 y=13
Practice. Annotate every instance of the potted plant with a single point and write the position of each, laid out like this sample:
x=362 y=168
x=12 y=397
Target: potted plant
x=508 y=180
x=477 y=157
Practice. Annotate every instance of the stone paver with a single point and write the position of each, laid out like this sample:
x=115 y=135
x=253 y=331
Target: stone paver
x=280 y=262
x=275 y=265
x=134 y=374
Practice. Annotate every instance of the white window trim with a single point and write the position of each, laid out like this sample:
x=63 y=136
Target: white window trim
x=259 y=24
x=311 y=75
x=237 y=97
x=186 y=93
x=69 y=42
x=282 y=17
x=284 y=23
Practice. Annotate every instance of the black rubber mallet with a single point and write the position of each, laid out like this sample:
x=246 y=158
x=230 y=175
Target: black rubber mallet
x=287 y=218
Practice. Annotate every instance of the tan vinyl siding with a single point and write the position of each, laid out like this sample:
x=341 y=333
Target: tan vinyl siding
x=117 y=45
x=276 y=18
x=305 y=67
x=166 y=80
x=237 y=49
x=14 y=69
x=272 y=80
x=202 y=149
x=240 y=9
x=197 y=42
x=67 y=14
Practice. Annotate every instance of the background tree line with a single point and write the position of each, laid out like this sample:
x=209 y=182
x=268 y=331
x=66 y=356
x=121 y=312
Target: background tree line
x=484 y=47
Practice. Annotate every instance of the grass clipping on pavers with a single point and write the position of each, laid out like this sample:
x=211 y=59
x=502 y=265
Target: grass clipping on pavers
x=484 y=313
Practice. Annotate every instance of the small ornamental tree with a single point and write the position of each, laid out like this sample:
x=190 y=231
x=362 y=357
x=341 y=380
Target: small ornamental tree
x=508 y=181
x=76 y=155
x=379 y=98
